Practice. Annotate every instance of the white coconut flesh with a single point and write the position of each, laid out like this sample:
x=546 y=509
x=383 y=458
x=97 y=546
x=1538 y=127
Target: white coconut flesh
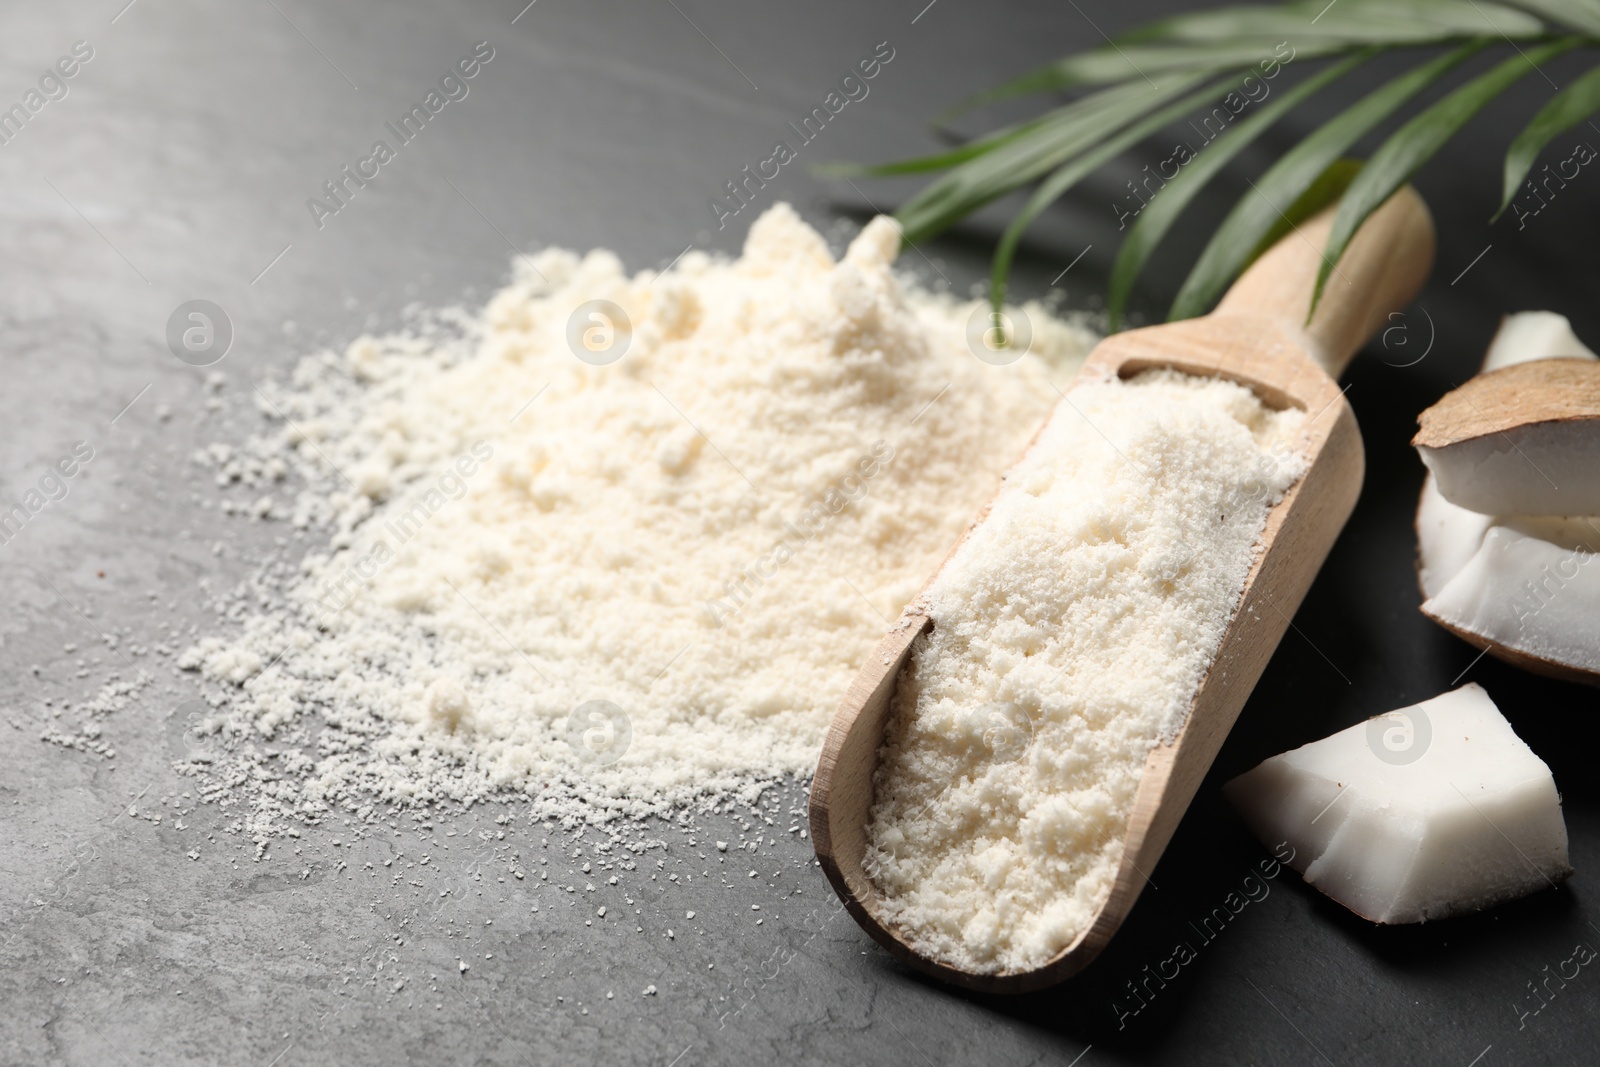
x=1530 y=588
x=1449 y=535
x=1547 y=468
x=1533 y=585
x=1424 y=812
x=1530 y=335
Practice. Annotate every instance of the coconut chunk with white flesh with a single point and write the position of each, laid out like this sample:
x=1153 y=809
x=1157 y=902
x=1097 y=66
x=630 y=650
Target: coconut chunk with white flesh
x=1426 y=811
x=1532 y=587
x=1448 y=536
x=1522 y=338
x=1493 y=591
x=1521 y=440
x=1530 y=335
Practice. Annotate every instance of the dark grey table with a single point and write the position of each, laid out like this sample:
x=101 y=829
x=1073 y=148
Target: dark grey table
x=177 y=167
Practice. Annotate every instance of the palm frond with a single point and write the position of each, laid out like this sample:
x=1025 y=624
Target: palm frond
x=1068 y=130
x=1237 y=36
x=1582 y=16
x=1069 y=174
x=1141 y=82
x=1565 y=110
x=1163 y=210
x=940 y=160
x=1255 y=221
x=1413 y=144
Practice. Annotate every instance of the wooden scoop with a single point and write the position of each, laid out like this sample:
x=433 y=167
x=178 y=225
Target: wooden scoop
x=1258 y=337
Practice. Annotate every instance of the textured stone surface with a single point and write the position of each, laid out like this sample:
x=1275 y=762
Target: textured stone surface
x=178 y=167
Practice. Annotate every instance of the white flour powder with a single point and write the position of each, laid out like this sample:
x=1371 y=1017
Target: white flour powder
x=1071 y=631
x=611 y=588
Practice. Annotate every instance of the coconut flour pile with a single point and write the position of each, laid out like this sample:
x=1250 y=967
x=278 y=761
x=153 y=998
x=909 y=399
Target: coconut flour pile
x=611 y=584
x=1071 y=631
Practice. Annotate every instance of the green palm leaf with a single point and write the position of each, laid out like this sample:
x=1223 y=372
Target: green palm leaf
x=1413 y=144
x=1069 y=175
x=1259 y=213
x=1165 y=207
x=1565 y=110
x=1074 y=128
x=1112 y=63
x=1143 y=80
x=1580 y=15
x=1355 y=21
x=1325 y=189
x=939 y=160
x=1233 y=36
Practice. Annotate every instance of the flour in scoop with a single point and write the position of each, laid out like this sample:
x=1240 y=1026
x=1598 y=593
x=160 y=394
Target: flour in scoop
x=617 y=542
x=1071 y=631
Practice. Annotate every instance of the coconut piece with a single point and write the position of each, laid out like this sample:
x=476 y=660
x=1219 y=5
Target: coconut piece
x=1522 y=440
x=1426 y=811
x=1531 y=592
x=1492 y=607
x=1530 y=335
x=1448 y=535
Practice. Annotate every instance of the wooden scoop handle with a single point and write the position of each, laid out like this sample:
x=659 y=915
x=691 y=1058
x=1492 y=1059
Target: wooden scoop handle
x=1382 y=270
